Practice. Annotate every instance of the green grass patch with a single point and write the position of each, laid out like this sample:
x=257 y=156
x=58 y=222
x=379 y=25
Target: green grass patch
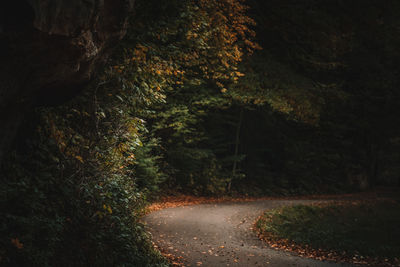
x=367 y=229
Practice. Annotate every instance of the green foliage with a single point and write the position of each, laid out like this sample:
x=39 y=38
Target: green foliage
x=148 y=175
x=62 y=205
x=267 y=81
x=191 y=54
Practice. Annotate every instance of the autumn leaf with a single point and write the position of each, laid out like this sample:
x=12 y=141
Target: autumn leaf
x=79 y=158
x=17 y=243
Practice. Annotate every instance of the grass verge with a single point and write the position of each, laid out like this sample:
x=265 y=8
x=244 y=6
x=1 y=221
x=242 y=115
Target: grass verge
x=356 y=232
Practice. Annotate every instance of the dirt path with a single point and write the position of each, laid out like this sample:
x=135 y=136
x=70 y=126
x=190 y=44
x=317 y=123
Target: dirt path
x=221 y=235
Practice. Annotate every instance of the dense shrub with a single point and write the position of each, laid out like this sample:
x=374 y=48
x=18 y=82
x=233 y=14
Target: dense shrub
x=70 y=196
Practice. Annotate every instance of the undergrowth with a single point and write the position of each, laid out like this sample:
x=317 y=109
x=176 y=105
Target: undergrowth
x=365 y=230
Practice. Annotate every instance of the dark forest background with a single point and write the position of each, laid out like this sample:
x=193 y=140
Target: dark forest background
x=208 y=98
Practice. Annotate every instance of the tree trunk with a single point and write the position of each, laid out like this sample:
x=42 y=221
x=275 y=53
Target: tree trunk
x=237 y=141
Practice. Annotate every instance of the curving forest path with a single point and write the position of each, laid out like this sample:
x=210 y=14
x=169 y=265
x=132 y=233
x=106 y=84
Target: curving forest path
x=221 y=235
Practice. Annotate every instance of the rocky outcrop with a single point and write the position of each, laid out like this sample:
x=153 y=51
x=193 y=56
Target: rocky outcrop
x=49 y=49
